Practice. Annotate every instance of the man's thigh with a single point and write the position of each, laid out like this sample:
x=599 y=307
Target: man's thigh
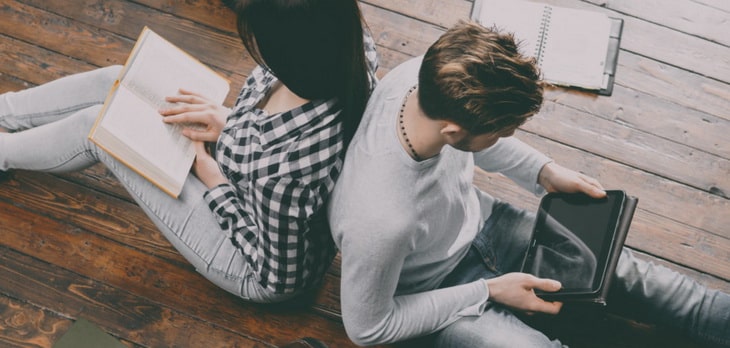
x=496 y=327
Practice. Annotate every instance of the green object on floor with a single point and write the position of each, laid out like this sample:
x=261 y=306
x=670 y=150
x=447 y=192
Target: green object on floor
x=84 y=334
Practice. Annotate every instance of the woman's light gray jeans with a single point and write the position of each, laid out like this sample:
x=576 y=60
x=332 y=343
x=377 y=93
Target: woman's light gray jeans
x=49 y=127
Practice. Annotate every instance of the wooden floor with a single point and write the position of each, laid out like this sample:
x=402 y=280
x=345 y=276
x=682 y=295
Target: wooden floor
x=75 y=246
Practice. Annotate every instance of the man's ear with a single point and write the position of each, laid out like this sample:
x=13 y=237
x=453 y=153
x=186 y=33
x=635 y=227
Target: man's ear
x=452 y=132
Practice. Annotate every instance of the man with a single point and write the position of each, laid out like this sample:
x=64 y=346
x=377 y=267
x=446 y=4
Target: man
x=424 y=251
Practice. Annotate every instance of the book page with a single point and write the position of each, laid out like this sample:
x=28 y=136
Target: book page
x=139 y=126
x=130 y=127
x=575 y=48
x=522 y=18
x=160 y=69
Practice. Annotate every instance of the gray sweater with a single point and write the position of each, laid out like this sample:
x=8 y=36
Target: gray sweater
x=403 y=225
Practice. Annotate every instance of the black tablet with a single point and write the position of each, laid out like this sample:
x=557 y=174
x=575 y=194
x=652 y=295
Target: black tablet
x=574 y=241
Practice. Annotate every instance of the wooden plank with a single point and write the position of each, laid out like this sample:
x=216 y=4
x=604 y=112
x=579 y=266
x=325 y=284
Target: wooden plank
x=688 y=16
x=34 y=64
x=676 y=85
x=25 y=325
x=639 y=110
x=62 y=35
x=212 y=13
x=114 y=310
x=642 y=150
x=435 y=12
x=399 y=33
x=126 y=19
x=96 y=44
x=112 y=218
x=147 y=276
x=98 y=178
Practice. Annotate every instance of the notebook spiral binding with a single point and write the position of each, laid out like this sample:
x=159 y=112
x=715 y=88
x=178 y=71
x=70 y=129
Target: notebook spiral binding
x=544 y=26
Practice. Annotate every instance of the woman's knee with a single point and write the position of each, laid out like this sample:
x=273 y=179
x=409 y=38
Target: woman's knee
x=86 y=118
x=103 y=78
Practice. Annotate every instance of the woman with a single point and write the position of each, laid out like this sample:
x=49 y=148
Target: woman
x=250 y=216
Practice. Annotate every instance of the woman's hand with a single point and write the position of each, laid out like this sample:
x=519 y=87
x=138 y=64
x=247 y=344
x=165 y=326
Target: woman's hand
x=206 y=168
x=556 y=178
x=203 y=120
x=517 y=291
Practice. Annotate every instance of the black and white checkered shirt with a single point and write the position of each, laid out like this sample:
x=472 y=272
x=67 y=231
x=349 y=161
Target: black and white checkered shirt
x=281 y=169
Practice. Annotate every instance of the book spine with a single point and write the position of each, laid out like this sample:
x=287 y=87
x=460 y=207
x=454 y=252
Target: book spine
x=544 y=28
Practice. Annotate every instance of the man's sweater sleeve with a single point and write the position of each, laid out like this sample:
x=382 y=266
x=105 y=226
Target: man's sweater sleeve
x=373 y=314
x=516 y=160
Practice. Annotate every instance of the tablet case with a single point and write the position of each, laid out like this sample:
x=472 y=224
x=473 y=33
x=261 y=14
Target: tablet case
x=622 y=230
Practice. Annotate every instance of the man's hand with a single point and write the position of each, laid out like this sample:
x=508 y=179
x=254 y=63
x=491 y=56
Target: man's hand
x=516 y=290
x=556 y=178
x=203 y=120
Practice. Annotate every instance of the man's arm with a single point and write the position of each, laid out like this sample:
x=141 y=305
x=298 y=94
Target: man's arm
x=533 y=170
x=373 y=314
x=556 y=178
x=516 y=160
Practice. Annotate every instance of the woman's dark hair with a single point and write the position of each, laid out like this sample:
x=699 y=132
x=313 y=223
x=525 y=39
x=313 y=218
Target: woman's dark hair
x=314 y=47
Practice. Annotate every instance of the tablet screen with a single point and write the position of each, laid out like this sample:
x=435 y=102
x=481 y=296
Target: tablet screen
x=572 y=240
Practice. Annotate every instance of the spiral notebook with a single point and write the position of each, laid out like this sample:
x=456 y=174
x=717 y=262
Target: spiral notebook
x=573 y=47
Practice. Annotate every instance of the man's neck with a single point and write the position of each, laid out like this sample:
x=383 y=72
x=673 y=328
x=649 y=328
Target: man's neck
x=421 y=131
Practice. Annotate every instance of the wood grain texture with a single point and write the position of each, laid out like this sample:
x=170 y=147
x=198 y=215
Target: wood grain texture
x=76 y=245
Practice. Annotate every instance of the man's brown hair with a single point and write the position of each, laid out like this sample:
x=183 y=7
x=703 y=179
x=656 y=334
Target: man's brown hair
x=475 y=77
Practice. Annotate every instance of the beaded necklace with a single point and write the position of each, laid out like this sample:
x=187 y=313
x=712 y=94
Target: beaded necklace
x=403 y=126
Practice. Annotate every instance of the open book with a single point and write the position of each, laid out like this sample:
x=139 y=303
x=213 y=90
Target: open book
x=574 y=48
x=130 y=127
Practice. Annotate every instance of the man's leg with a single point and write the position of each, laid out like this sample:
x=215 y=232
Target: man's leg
x=654 y=293
x=498 y=249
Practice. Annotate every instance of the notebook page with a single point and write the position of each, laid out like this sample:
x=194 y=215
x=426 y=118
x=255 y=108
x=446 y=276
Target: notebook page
x=522 y=18
x=575 y=48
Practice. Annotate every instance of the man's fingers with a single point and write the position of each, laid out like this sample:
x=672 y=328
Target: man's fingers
x=549 y=307
x=591 y=186
x=546 y=284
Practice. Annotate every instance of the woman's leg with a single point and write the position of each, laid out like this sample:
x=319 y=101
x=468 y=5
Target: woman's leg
x=186 y=222
x=55 y=100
